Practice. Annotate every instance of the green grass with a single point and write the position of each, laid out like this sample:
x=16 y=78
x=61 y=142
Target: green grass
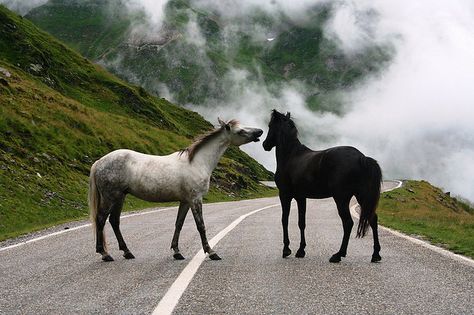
x=49 y=142
x=56 y=120
x=423 y=210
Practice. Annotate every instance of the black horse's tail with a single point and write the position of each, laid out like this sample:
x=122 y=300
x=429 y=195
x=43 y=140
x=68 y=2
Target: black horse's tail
x=369 y=193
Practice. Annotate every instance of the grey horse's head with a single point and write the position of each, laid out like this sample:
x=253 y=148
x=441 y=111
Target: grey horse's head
x=239 y=134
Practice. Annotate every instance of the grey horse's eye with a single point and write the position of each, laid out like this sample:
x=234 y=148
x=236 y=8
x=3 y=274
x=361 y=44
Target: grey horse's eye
x=241 y=132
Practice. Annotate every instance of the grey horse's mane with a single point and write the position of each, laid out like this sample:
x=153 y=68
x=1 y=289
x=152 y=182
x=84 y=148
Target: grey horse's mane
x=205 y=138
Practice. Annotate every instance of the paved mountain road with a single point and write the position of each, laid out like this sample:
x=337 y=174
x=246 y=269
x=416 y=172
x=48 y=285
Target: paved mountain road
x=62 y=274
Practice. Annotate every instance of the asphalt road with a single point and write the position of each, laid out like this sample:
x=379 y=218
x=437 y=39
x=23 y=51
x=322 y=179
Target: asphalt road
x=62 y=274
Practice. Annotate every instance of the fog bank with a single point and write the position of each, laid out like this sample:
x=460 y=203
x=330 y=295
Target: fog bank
x=416 y=118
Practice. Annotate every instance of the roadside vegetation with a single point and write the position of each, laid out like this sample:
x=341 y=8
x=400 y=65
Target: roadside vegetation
x=59 y=113
x=424 y=211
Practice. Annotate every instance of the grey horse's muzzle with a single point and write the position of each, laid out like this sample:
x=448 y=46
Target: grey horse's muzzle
x=256 y=135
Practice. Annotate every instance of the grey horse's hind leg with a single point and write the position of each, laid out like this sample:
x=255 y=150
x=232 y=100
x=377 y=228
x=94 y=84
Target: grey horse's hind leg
x=114 y=220
x=182 y=212
x=106 y=206
x=101 y=246
x=196 y=208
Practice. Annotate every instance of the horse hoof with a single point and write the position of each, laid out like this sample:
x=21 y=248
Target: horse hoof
x=335 y=258
x=107 y=258
x=376 y=258
x=214 y=257
x=128 y=255
x=178 y=256
x=300 y=253
x=286 y=252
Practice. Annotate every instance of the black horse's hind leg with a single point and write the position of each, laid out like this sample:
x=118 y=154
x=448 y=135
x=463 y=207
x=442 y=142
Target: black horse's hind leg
x=347 y=223
x=376 y=255
x=302 y=225
x=182 y=212
x=285 y=213
x=114 y=220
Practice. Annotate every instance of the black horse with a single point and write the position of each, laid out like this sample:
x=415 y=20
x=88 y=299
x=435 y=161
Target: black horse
x=339 y=172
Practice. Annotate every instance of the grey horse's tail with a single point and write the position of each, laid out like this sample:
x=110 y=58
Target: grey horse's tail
x=94 y=200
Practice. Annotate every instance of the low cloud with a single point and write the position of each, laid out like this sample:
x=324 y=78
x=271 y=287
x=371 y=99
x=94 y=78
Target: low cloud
x=22 y=7
x=415 y=117
x=154 y=10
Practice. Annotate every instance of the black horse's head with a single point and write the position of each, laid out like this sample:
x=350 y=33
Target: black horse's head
x=281 y=127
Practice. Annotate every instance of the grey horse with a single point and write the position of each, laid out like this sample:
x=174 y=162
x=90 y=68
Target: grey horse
x=181 y=176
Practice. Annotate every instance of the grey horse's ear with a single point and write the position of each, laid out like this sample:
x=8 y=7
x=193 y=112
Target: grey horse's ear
x=221 y=122
x=288 y=114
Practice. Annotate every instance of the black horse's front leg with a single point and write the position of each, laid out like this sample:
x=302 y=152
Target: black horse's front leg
x=285 y=208
x=302 y=225
x=196 y=208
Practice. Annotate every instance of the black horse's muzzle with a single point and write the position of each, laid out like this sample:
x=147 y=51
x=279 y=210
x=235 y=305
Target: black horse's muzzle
x=267 y=146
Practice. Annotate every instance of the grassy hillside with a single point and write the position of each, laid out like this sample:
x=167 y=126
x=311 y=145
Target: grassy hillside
x=421 y=209
x=302 y=51
x=59 y=113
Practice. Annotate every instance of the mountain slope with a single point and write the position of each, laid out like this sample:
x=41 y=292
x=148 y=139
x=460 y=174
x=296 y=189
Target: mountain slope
x=195 y=50
x=59 y=113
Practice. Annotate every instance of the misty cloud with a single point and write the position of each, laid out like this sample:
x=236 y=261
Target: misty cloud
x=230 y=9
x=154 y=9
x=415 y=117
x=22 y=7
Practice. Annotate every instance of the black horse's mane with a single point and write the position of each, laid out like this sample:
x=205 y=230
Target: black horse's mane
x=289 y=128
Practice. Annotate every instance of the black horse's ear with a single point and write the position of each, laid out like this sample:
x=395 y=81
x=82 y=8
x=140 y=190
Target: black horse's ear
x=288 y=114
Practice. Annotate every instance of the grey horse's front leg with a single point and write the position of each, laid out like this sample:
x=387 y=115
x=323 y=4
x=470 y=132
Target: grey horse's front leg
x=196 y=208
x=182 y=212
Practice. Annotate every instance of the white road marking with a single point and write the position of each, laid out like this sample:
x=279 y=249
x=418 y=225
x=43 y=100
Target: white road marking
x=174 y=293
x=425 y=244
x=88 y=224
x=78 y=228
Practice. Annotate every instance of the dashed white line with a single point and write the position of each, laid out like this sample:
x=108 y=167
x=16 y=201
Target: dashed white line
x=174 y=293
